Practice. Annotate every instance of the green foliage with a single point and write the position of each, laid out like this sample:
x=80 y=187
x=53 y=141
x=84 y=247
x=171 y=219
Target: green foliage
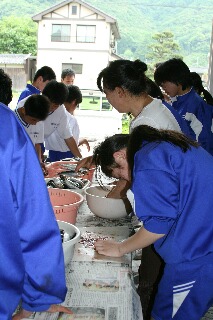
x=18 y=35
x=163 y=48
x=189 y=21
x=125 y=126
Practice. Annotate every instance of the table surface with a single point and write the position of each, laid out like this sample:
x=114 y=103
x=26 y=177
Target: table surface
x=99 y=287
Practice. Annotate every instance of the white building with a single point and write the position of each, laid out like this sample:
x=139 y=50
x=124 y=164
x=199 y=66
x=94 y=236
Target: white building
x=73 y=34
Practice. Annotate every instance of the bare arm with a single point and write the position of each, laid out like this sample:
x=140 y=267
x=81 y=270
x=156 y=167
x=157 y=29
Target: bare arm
x=72 y=145
x=39 y=153
x=120 y=189
x=84 y=141
x=141 y=239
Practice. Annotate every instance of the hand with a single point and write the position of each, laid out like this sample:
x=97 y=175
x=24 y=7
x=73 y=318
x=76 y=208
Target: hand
x=53 y=308
x=84 y=163
x=108 y=248
x=119 y=190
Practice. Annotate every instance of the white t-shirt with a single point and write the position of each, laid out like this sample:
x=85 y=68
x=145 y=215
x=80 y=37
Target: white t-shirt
x=35 y=132
x=56 y=143
x=156 y=115
x=57 y=120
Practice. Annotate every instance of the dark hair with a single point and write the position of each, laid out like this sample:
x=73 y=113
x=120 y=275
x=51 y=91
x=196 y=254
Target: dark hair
x=67 y=72
x=37 y=106
x=199 y=88
x=5 y=88
x=153 y=90
x=103 y=153
x=74 y=94
x=175 y=71
x=129 y=75
x=57 y=92
x=146 y=134
x=197 y=82
x=46 y=73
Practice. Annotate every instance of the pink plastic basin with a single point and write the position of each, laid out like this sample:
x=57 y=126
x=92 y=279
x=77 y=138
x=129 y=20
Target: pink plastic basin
x=65 y=204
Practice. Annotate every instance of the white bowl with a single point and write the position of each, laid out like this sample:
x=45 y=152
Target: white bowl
x=103 y=207
x=68 y=246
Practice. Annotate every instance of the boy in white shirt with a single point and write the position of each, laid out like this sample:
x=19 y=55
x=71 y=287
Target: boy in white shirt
x=57 y=147
x=31 y=115
x=57 y=93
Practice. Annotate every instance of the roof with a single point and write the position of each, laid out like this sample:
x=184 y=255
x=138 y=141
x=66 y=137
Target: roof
x=13 y=58
x=111 y=20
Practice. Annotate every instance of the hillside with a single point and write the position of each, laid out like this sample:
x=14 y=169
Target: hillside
x=139 y=20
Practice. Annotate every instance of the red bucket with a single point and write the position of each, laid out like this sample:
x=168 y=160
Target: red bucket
x=65 y=204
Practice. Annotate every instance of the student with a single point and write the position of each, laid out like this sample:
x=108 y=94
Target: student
x=127 y=89
x=30 y=246
x=199 y=88
x=58 y=148
x=35 y=109
x=172 y=197
x=67 y=76
x=41 y=78
x=58 y=92
x=174 y=77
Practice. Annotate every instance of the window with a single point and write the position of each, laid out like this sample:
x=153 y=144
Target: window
x=61 y=32
x=76 y=67
x=85 y=34
x=74 y=10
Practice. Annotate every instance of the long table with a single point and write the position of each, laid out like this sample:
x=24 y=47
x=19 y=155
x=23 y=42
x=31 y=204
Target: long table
x=99 y=287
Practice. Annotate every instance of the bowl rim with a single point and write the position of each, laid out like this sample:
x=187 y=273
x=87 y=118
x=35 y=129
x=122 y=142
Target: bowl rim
x=77 y=231
x=67 y=205
x=100 y=197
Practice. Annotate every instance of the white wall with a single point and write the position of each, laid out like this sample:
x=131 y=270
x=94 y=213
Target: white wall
x=92 y=62
x=93 y=56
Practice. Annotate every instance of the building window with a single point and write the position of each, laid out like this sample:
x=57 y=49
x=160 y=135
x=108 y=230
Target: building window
x=76 y=67
x=74 y=10
x=86 y=34
x=61 y=32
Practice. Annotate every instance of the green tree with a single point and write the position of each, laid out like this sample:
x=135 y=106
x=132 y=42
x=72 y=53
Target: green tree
x=163 y=48
x=18 y=35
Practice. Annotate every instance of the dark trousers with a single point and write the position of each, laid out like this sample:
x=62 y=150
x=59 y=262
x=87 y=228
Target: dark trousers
x=150 y=273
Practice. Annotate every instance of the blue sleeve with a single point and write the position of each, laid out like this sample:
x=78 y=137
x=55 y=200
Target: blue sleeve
x=156 y=199
x=37 y=249
x=23 y=95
